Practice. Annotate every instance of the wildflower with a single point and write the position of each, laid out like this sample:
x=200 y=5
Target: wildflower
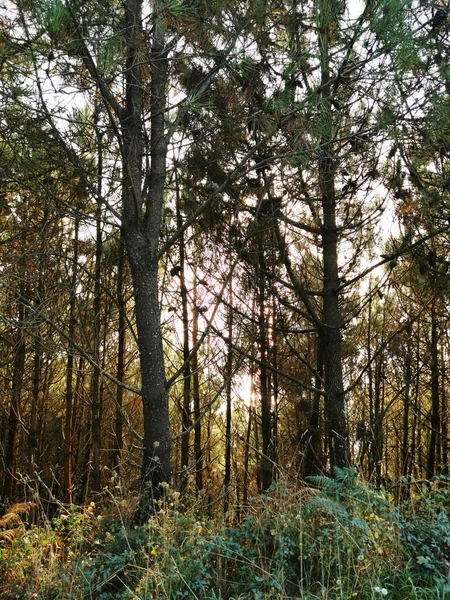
x=153 y=552
x=382 y=591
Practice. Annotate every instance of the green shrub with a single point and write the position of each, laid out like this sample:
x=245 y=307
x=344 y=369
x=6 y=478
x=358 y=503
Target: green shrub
x=425 y=533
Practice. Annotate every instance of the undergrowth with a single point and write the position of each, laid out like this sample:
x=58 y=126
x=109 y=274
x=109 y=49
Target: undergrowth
x=336 y=539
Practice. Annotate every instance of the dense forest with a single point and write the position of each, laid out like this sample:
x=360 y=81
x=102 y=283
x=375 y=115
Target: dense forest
x=224 y=288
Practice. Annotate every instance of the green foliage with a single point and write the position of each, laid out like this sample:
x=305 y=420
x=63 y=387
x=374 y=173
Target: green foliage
x=54 y=16
x=340 y=540
x=109 y=53
x=425 y=533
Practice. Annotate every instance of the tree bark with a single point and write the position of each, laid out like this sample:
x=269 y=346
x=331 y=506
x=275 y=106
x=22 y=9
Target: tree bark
x=97 y=306
x=68 y=422
x=228 y=377
x=12 y=447
x=120 y=373
x=186 y=405
x=406 y=455
x=141 y=229
x=198 y=451
x=330 y=329
x=266 y=431
x=312 y=452
x=444 y=417
x=435 y=400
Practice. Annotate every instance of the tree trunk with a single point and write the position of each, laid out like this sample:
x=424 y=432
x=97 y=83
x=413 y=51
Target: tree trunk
x=12 y=447
x=444 y=417
x=376 y=426
x=266 y=430
x=33 y=445
x=120 y=374
x=198 y=451
x=248 y=434
x=186 y=406
x=406 y=456
x=435 y=400
x=228 y=377
x=141 y=228
x=274 y=385
x=97 y=305
x=330 y=330
x=312 y=452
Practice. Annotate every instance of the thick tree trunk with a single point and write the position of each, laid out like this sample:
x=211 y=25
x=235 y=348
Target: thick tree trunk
x=141 y=229
x=156 y=463
x=330 y=330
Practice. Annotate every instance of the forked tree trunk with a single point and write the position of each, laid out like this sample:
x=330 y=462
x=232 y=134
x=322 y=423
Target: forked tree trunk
x=141 y=229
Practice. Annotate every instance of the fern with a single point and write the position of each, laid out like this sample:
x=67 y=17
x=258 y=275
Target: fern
x=326 y=506
x=325 y=484
x=11 y=522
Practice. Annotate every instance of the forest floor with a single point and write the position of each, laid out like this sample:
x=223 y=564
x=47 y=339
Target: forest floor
x=337 y=539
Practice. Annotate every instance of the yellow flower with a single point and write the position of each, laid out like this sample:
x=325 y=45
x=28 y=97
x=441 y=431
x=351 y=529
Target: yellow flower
x=153 y=552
